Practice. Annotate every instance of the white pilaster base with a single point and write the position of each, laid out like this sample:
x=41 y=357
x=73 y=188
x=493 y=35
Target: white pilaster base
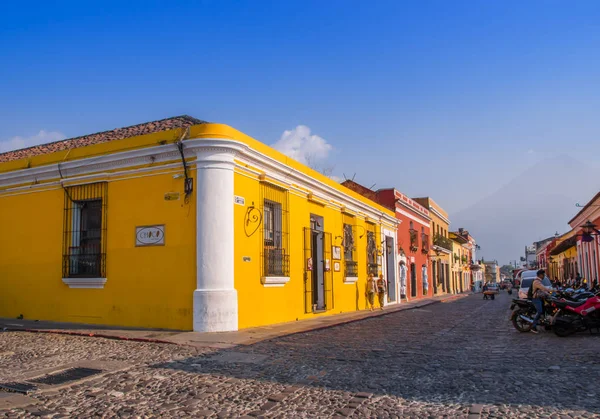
x=215 y=310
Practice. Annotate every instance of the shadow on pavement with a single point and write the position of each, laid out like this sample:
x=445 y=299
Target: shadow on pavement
x=465 y=352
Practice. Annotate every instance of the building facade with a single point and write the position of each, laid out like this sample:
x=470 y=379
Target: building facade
x=492 y=272
x=441 y=246
x=461 y=261
x=562 y=258
x=413 y=241
x=585 y=225
x=182 y=224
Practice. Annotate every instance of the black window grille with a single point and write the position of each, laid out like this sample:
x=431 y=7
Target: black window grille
x=350 y=264
x=372 y=265
x=84 y=241
x=351 y=269
x=276 y=256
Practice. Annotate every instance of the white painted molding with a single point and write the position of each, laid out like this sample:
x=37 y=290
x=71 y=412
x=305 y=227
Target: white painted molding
x=193 y=147
x=412 y=217
x=350 y=279
x=274 y=281
x=85 y=282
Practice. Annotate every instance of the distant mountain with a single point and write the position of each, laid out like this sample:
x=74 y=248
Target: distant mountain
x=533 y=206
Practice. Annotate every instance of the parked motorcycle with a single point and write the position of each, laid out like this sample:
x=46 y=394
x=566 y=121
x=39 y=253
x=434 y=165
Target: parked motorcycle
x=576 y=316
x=524 y=312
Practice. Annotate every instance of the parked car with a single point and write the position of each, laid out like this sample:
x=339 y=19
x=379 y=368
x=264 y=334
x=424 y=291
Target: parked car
x=527 y=278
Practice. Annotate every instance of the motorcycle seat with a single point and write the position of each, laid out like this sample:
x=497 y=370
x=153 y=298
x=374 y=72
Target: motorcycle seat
x=570 y=303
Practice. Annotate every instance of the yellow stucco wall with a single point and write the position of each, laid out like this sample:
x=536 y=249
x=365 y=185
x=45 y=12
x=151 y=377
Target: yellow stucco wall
x=260 y=305
x=146 y=286
x=153 y=286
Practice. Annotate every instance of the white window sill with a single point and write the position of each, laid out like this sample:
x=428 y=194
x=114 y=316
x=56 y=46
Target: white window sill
x=350 y=279
x=85 y=282
x=274 y=281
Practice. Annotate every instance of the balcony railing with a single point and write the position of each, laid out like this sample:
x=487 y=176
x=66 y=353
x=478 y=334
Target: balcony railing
x=351 y=270
x=443 y=242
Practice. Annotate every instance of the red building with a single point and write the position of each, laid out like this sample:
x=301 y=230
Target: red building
x=413 y=238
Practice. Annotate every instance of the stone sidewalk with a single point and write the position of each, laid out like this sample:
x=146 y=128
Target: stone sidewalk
x=221 y=340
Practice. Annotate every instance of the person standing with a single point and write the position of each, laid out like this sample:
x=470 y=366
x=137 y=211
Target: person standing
x=538 y=292
x=402 y=279
x=381 y=290
x=371 y=289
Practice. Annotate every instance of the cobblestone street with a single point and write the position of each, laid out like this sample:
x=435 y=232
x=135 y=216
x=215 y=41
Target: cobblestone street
x=459 y=359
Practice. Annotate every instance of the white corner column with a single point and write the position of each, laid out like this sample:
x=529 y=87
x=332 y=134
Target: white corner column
x=215 y=298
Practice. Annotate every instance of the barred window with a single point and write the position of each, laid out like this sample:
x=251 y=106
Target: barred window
x=275 y=231
x=372 y=266
x=351 y=265
x=84 y=241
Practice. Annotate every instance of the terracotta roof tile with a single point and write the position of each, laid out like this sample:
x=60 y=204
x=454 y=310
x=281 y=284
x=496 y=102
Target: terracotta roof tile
x=183 y=121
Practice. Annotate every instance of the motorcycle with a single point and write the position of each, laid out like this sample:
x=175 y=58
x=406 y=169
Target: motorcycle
x=524 y=312
x=576 y=316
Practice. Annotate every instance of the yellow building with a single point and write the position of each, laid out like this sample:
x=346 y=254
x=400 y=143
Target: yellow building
x=181 y=224
x=460 y=263
x=562 y=263
x=441 y=246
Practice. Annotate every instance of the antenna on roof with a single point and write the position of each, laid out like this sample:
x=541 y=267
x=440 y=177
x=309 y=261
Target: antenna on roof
x=353 y=176
x=345 y=178
x=372 y=186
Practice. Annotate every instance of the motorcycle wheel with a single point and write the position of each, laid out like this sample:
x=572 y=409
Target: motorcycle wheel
x=563 y=331
x=520 y=324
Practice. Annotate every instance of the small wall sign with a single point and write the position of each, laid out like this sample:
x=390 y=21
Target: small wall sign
x=239 y=200
x=150 y=235
x=172 y=196
x=337 y=252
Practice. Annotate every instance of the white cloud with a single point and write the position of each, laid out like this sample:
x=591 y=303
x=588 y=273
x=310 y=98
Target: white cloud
x=42 y=137
x=303 y=146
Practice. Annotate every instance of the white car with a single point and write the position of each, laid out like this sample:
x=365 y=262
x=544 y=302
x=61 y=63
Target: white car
x=527 y=278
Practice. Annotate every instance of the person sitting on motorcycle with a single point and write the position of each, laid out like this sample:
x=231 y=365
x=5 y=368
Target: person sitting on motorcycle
x=537 y=293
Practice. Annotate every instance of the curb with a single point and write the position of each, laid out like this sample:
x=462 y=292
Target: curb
x=313 y=329
x=93 y=335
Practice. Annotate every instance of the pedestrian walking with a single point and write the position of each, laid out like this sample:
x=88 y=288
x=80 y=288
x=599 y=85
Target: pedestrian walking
x=371 y=289
x=381 y=290
x=537 y=293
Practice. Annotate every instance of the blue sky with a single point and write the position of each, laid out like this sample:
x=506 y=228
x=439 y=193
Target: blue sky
x=404 y=92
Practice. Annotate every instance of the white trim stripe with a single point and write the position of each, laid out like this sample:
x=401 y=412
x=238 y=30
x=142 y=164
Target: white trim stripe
x=412 y=217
